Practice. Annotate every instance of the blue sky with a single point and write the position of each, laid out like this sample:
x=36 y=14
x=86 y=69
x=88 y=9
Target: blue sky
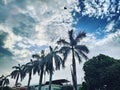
x=27 y=27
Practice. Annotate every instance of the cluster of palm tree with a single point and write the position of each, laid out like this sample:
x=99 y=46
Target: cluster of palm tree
x=53 y=60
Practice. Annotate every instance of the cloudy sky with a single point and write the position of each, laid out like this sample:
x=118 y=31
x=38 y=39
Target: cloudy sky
x=28 y=26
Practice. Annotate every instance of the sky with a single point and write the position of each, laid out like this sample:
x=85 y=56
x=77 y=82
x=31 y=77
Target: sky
x=29 y=26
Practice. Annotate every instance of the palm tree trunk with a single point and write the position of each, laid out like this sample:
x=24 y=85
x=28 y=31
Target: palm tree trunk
x=17 y=80
x=40 y=80
x=28 y=86
x=74 y=76
x=50 y=81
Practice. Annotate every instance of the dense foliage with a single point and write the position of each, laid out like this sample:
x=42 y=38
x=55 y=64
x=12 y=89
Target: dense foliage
x=102 y=73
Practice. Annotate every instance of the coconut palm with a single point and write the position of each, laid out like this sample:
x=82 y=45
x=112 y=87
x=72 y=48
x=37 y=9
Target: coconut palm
x=40 y=66
x=17 y=73
x=52 y=57
x=73 y=46
x=5 y=81
x=28 y=68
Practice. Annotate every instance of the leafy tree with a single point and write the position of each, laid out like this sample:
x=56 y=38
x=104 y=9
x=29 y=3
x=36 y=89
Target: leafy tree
x=102 y=73
x=52 y=57
x=17 y=73
x=77 y=50
x=112 y=80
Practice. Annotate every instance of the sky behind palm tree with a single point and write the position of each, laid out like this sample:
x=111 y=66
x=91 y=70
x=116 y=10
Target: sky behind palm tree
x=29 y=26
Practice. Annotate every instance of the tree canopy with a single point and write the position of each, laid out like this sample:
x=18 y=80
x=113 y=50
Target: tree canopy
x=102 y=73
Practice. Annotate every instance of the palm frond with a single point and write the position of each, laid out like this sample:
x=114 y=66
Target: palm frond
x=51 y=49
x=49 y=63
x=22 y=75
x=14 y=74
x=57 y=62
x=71 y=37
x=61 y=61
x=65 y=55
x=6 y=81
x=78 y=56
x=63 y=41
x=36 y=66
x=64 y=48
x=83 y=55
x=82 y=48
x=80 y=36
x=2 y=77
x=16 y=67
x=35 y=56
x=56 y=48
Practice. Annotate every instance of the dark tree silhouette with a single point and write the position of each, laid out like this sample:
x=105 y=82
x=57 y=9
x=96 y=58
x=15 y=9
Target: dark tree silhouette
x=77 y=50
x=51 y=57
x=102 y=73
x=39 y=66
x=28 y=68
x=4 y=81
x=17 y=73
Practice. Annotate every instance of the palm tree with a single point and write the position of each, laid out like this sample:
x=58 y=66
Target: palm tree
x=52 y=57
x=1 y=80
x=77 y=50
x=28 y=68
x=5 y=81
x=17 y=73
x=40 y=66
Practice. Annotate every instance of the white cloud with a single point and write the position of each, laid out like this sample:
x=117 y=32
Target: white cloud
x=109 y=45
x=51 y=22
x=110 y=26
x=97 y=10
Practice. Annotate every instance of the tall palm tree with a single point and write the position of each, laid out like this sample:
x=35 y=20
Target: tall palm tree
x=40 y=66
x=73 y=46
x=28 y=68
x=52 y=58
x=17 y=73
